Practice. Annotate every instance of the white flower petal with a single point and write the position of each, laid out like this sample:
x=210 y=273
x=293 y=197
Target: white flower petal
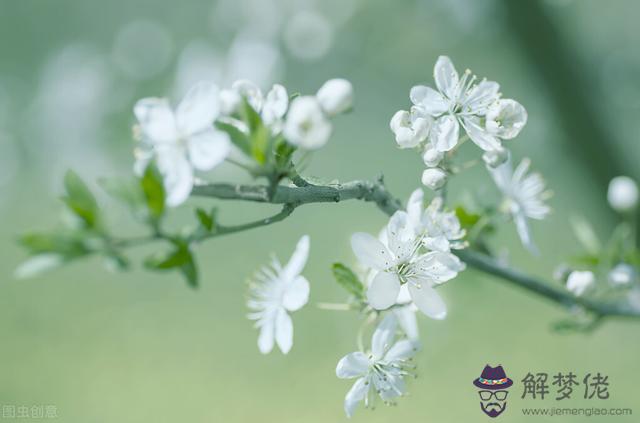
x=199 y=108
x=298 y=259
x=428 y=301
x=157 y=120
x=284 y=331
x=383 y=291
x=296 y=294
x=434 y=178
x=401 y=350
x=415 y=207
x=578 y=282
x=177 y=175
x=370 y=252
x=306 y=125
x=352 y=365
x=275 y=104
x=524 y=233
x=208 y=148
x=479 y=135
x=356 y=394
x=446 y=77
x=383 y=336
x=335 y=96
x=429 y=100
x=482 y=96
x=266 y=337
x=250 y=92
x=407 y=319
x=445 y=133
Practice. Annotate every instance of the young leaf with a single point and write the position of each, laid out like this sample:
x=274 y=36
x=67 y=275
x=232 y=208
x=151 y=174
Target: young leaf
x=258 y=133
x=80 y=199
x=67 y=244
x=348 y=280
x=128 y=191
x=467 y=220
x=239 y=138
x=207 y=220
x=151 y=184
x=179 y=259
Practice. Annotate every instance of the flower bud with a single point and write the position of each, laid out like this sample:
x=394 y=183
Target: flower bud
x=432 y=157
x=622 y=274
x=434 y=178
x=623 y=194
x=495 y=158
x=578 y=282
x=335 y=96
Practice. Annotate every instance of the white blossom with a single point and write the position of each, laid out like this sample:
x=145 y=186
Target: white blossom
x=306 y=125
x=181 y=140
x=524 y=196
x=434 y=178
x=276 y=291
x=505 y=119
x=579 y=281
x=402 y=262
x=410 y=128
x=440 y=229
x=623 y=194
x=335 y=96
x=459 y=101
x=622 y=274
x=271 y=108
x=382 y=369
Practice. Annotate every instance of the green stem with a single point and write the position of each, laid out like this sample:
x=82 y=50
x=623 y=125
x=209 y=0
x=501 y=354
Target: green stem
x=376 y=192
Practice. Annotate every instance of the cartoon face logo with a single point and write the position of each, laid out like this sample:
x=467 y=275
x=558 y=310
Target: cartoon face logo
x=493 y=384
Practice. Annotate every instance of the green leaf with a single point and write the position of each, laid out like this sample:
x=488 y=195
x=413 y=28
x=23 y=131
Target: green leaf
x=67 y=244
x=207 y=220
x=153 y=190
x=283 y=153
x=126 y=190
x=179 y=259
x=467 y=220
x=80 y=199
x=586 y=235
x=239 y=138
x=259 y=135
x=348 y=280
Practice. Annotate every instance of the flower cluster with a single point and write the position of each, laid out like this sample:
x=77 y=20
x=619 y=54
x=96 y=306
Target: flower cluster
x=276 y=291
x=382 y=369
x=433 y=123
x=187 y=139
x=411 y=257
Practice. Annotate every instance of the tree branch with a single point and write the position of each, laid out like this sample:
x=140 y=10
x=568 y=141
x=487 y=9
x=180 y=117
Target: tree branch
x=375 y=192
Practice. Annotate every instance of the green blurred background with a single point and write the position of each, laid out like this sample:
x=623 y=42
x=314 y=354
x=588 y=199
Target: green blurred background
x=139 y=347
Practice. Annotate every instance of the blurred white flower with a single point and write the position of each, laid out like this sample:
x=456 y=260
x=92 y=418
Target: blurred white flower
x=410 y=128
x=306 y=125
x=622 y=274
x=434 y=178
x=276 y=291
x=623 y=194
x=142 y=49
x=335 y=96
x=524 y=197
x=402 y=262
x=458 y=102
x=308 y=35
x=182 y=140
x=578 y=282
x=382 y=369
x=271 y=107
x=495 y=158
